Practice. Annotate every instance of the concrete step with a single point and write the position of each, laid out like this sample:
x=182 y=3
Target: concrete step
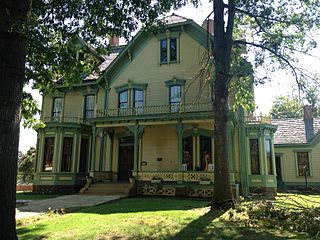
x=108 y=188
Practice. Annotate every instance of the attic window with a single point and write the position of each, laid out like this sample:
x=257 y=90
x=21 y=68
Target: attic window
x=169 y=47
x=168 y=50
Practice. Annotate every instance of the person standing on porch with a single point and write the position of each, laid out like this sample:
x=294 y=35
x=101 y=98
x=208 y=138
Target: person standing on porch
x=206 y=160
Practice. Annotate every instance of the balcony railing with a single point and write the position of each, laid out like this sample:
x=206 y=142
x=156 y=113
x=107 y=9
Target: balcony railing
x=258 y=119
x=157 y=109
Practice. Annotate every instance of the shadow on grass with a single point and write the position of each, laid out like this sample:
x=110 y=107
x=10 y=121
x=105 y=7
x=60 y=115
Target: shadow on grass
x=205 y=227
x=27 y=234
x=135 y=205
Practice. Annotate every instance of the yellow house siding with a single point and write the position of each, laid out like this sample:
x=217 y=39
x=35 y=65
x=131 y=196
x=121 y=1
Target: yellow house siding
x=160 y=142
x=145 y=68
x=289 y=164
x=73 y=104
x=100 y=99
x=47 y=106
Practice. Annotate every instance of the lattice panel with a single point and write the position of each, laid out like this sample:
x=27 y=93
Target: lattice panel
x=200 y=192
x=197 y=176
x=165 y=191
x=165 y=176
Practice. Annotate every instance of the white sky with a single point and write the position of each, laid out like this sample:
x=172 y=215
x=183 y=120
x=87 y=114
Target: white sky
x=281 y=84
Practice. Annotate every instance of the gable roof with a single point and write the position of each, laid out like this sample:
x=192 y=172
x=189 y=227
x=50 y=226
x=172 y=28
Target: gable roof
x=292 y=130
x=113 y=64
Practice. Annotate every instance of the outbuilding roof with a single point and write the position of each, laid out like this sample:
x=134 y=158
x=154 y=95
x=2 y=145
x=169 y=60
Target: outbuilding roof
x=292 y=130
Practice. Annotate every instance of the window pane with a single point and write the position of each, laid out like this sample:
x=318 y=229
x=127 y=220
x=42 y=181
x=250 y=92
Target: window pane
x=57 y=108
x=267 y=143
x=48 y=154
x=67 y=154
x=138 y=101
x=173 y=49
x=163 y=51
x=303 y=163
x=175 y=98
x=138 y=98
x=89 y=106
x=254 y=156
x=123 y=99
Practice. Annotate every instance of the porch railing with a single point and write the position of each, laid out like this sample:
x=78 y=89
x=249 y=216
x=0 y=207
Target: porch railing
x=177 y=176
x=156 y=109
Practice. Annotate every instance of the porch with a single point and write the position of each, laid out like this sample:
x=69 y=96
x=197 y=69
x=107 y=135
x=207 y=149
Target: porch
x=170 y=183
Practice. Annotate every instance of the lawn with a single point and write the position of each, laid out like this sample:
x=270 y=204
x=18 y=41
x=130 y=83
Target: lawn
x=148 y=218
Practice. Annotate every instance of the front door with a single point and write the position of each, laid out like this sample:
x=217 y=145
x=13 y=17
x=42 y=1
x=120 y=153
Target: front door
x=125 y=160
x=278 y=169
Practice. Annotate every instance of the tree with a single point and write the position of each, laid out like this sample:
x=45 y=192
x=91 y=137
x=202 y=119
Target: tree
x=26 y=165
x=286 y=107
x=37 y=44
x=275 y=31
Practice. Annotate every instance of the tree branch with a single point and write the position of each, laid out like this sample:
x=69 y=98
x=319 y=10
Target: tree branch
x=293 y=69
x=261 y=16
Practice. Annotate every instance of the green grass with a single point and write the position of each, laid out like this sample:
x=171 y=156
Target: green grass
x=33 y=196
x=146 y=218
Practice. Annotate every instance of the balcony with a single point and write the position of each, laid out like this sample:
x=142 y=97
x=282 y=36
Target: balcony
x=155 y=110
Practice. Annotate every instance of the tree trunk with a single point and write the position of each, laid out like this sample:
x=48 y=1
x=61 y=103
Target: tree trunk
x=222 y=48
x=12 y=68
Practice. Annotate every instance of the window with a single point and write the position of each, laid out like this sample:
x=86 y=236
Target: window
x=175 y=98
x=84 y=151
x=303 y=163
x=57 y=108
x=168 y=46
x=173 y=49
x=123 y=99
x=48 y=154
x=163 y=51
x=254 y=156
x=267 y=143
x=66 y=154
x=138 y=100
x=89 y=106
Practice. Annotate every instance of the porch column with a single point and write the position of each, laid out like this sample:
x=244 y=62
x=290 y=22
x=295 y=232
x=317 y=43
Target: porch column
x=102 y=150
x=137 y=132
x=93 y=149
x=179 y=129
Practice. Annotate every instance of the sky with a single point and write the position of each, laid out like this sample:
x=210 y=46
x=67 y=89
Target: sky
x=281 y=84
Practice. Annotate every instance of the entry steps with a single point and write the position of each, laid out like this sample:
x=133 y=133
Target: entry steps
x=108 y=189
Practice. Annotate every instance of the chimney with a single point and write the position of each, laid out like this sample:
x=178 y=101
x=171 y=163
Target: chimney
x=114 y=41
x=208 y=25
x=308 y=122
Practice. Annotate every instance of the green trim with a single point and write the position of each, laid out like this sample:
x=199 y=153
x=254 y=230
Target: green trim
x=174 y=81
x=131 y=86
x=168 y=34
x=206 y=132
x=301 y=183
x=90 y=91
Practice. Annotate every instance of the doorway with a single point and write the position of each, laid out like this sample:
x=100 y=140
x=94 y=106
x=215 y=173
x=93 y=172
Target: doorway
x=278 y=170
x=125 y=158
x=205 y=148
